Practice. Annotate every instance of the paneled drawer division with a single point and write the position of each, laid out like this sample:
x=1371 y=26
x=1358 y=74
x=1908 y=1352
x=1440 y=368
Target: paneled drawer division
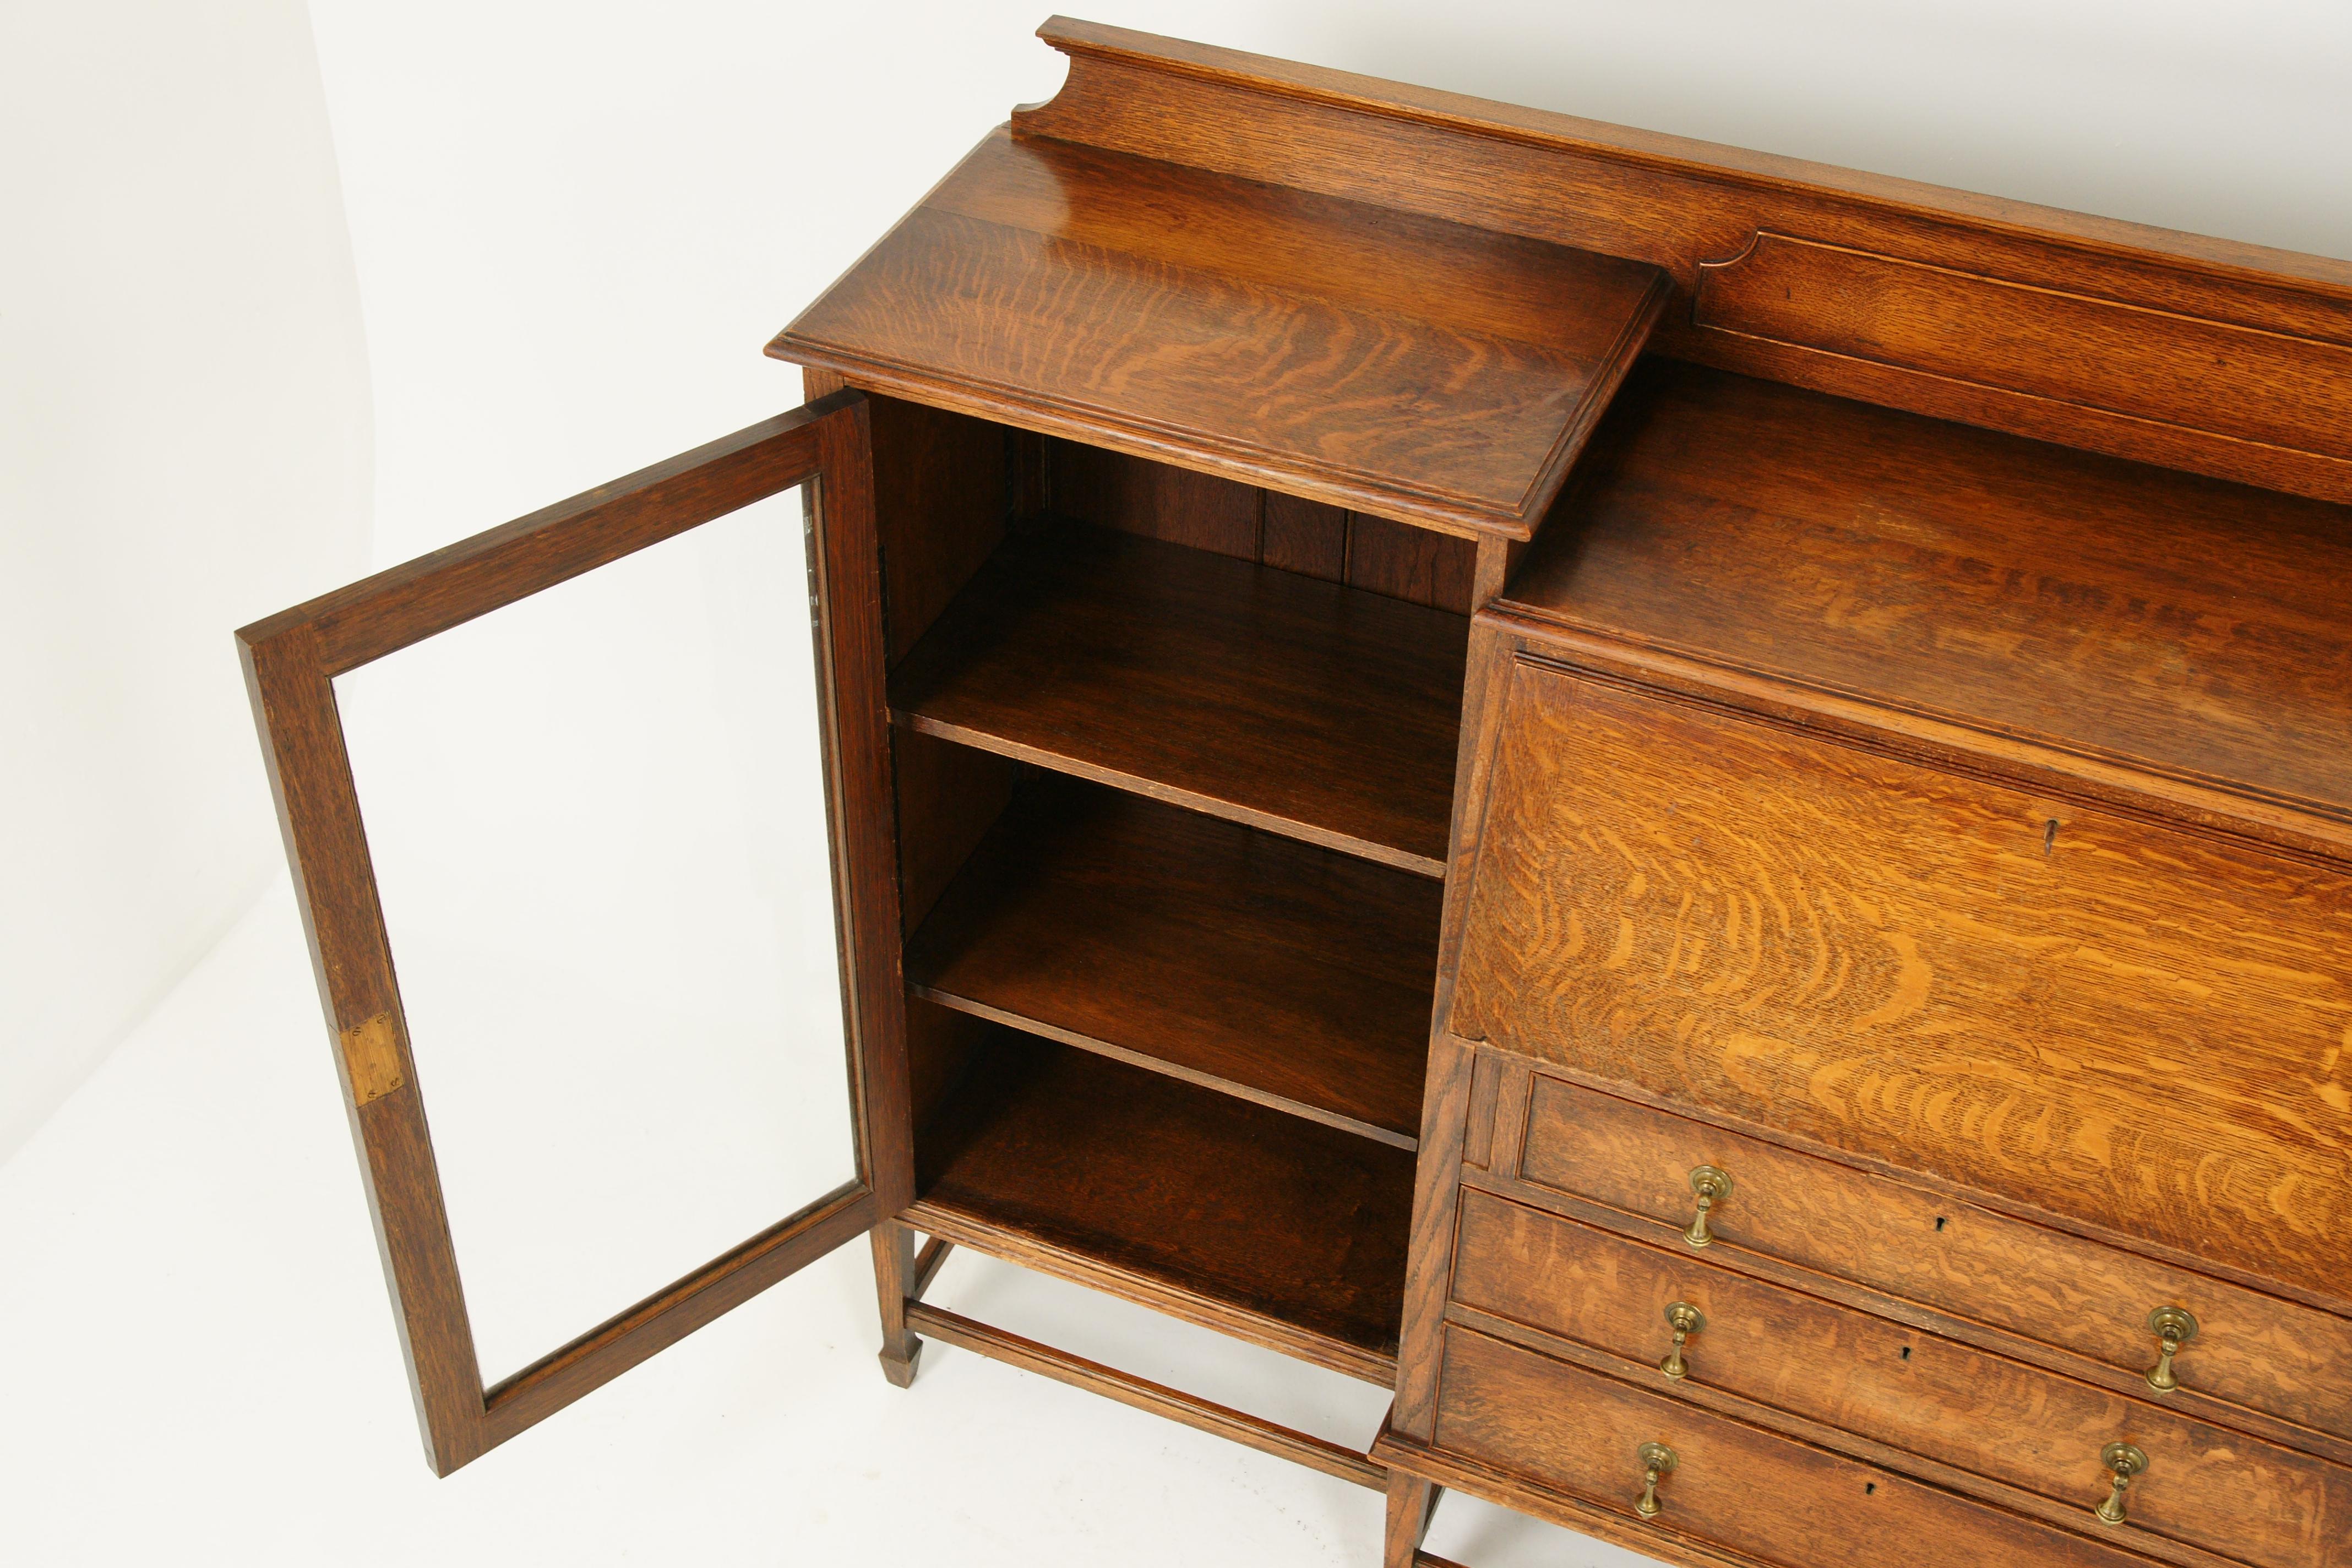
x=2265 y=1355
x=1767 y=1498
x=1852 y=1371
x=2137 y=1030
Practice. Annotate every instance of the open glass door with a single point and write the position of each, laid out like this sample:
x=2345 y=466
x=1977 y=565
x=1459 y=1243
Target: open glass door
x=293 y=661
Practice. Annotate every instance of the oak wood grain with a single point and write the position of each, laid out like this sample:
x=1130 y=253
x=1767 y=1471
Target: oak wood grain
x=518 y=1403
x=310 y=773
x=928 y=1264
x=1091 y=43
x=941 y=1043
x=949 y=796
x=1415 y=368
x=2125 y=360
x=1112 y=490
x=2068 y=1514
x=942 y=495
x=1446 y=1110
x=1294 y=976
x=851 y=654
x=401 y=604
x=1853 y=1372
x=1758 y=1494
x=1141 y=1393
x=1680 y=204
x=1271 y=1215
x=1164 y=1293
x=1446 y=1105
x=1410 y=564
x=2202 y=627
x=897 y=1283
x=2253 y=1352
x=1512 y=1487
x=1485 y=1085
x=1307 y=537
x=1306 y=707
x=1411 y=1501
x=1157 y=500
x=2137 y=1031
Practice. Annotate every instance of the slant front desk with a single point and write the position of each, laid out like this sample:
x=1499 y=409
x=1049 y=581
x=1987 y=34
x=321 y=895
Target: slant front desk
x=1696 y=808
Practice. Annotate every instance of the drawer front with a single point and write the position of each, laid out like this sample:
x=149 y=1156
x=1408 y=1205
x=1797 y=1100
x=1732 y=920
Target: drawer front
x=2282 y=1360
x=1932 y=1397
x=2125 y=1024
x=1733 y=1487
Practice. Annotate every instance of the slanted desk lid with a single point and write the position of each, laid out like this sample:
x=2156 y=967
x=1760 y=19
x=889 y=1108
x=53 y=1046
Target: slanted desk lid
x=1411 y=367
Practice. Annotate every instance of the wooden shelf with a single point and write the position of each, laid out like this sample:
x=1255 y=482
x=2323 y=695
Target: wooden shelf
x=1287 y=974
x=1226 y=1212
x=2184 y=625
x=1423 y=370
x=1310 y=708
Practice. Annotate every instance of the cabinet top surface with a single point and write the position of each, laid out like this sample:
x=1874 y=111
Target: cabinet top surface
x=1403 y=364
x=2191 y=626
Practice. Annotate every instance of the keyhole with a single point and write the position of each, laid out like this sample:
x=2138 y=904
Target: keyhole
x=1941 y=1222
x=1869 y=1489
x=1907 y=1352
x=2049 y=838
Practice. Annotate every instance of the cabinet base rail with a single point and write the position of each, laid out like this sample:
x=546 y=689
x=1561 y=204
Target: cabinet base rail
x=1266 y=1437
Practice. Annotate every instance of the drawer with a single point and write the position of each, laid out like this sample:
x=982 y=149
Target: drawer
x=2129 y=1026
x=2256 y=1352
x=1766 y=1497
x=1853 y=1372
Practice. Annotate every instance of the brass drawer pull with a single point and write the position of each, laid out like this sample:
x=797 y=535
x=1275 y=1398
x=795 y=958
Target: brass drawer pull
x=2124 y=1460
x=1658 y=1461
x=1685 y=1320
x=1712 y=1186
x=2173 y=1328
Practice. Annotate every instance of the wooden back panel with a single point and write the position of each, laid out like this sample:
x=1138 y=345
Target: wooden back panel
x=1159 y=500
x=2221 y=358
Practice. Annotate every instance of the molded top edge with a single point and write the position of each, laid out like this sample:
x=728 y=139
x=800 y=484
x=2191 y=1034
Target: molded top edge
x=1489 y=116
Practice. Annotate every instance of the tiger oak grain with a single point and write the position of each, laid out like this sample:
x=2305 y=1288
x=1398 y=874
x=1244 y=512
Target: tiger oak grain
x=1768 y=1497
x=2107 y=1021
x=2253 y=1501
x=1959 y=1258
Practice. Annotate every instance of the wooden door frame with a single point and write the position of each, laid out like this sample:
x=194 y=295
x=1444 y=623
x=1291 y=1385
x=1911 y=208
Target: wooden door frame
x=290 y=662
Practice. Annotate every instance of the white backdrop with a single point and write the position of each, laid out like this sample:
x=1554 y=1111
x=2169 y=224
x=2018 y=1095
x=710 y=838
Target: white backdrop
x=571 y=229
x=185 y=445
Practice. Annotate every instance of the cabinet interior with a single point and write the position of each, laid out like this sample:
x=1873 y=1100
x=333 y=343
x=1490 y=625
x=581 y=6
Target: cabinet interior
x=1174 y=760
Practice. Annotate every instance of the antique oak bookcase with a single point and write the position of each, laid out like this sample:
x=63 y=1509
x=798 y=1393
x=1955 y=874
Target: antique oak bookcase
x=1696 y=808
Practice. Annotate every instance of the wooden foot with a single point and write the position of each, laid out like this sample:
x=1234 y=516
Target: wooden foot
x=1412 y=1500
x=894 y=1281
x=900 y=1371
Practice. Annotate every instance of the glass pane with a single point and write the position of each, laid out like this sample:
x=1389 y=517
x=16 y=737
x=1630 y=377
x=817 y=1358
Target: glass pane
x=598 y=818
